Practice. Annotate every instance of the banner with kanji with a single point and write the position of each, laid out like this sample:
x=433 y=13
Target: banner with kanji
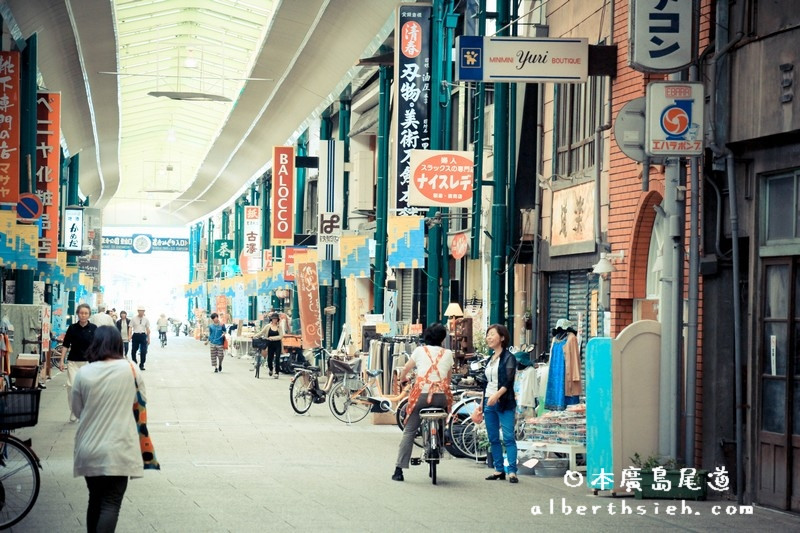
x=48 y=169
x=252 y=238
x=308 y=301
x=9 y=128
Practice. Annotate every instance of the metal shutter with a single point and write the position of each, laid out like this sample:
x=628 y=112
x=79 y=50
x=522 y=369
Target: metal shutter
x=405 y=278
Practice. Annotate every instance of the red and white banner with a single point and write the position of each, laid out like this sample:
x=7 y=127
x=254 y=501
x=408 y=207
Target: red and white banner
x=252 y=238
x=282 y=196
x=441 y=178
x=288 y=261
x=308 y=302
x=9 y=128
x=48 y=169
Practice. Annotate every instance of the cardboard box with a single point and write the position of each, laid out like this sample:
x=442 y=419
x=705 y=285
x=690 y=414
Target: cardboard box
x=25 y=371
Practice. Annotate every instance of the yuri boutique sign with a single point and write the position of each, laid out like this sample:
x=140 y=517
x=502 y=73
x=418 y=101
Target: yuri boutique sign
x=661 y=35
x=282 y=195
x=441 y=178
x=522 y=59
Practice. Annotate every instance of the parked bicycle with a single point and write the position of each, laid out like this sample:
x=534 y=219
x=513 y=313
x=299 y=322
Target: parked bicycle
x=305 y=389
x=352 y=401
x=432 y=432
x=19 y=465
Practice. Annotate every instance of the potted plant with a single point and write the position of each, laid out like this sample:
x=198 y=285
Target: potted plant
x=661 y=477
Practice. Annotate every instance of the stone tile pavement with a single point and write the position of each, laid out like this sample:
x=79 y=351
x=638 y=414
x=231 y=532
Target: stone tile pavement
x=235 y=457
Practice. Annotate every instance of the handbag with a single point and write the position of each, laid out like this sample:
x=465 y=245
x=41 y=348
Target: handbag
x=225 y=342
x=145 y=442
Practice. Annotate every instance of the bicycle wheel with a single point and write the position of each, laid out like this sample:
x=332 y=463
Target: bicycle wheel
x=19 y=482
x=461 y=428
x=300 y=395
x=432 y=470
x=471 y=437
x=400 y=414
x=350 y=406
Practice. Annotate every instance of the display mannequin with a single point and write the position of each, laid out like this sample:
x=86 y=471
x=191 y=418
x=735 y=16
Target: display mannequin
x=564 y=380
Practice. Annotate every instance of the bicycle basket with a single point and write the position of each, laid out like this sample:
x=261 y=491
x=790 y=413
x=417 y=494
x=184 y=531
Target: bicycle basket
x=352 y=366
x=19 y=408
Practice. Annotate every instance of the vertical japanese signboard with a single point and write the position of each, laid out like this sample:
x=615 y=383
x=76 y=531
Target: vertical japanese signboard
x=72 y=239
x=252 y=237
x=282 y=196
x=660 y=35
x=412 y=81
x=331 y=197
x=674 y=119
x=48 y=168
x=308 y=301
x=9 y=128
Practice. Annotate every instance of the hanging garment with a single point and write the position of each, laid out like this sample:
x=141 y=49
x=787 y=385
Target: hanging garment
x=556 y=399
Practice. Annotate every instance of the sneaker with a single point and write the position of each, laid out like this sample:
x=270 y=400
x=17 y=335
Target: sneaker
x=276 y=375
x=73 y=418
x=398 y=475
x=270 y=372
x=215 y=370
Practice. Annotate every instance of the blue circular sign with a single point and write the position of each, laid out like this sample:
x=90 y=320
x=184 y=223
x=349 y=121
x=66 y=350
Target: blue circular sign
x=29 y=207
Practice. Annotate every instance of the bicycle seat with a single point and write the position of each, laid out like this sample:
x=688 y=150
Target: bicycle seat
x=432 y=413
x=374 y=373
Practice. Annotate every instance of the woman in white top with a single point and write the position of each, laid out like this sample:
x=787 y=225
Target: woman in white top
x=107 y=449
x=434 y=367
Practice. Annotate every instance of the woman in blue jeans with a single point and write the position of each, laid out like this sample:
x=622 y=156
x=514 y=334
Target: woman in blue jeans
x=499 y=407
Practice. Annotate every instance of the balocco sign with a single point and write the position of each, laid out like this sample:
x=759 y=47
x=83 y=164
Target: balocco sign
x=521 y=59
x=282 y=195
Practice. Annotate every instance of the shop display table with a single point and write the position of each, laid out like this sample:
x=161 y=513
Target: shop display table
x=240 y=346
x=571 y=449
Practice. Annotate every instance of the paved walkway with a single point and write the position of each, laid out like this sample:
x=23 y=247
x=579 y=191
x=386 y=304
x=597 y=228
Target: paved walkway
x=235 y=457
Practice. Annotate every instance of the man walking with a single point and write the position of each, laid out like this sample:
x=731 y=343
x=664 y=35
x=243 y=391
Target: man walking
x=140 y=336
x=77 y=339
x=101 y=318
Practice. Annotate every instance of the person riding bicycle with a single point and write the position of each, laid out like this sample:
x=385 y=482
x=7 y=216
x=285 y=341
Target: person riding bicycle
x=434 y=367
x=162 y=324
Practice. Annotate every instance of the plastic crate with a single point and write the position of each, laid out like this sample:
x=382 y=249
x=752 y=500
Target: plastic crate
x=19 y=408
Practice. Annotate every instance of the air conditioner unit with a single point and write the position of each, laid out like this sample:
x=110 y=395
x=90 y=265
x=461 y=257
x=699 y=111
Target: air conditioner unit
x=362 y=181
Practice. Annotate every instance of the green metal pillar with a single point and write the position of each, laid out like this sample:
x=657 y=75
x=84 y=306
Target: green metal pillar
x=302 y=151
x=477 y=138
x=497 y=292
x=210 y=249
x=449 y=24
x=433 y=307
x=340 y=294
x=382 y=182
x=238 y=227
x=513 y=216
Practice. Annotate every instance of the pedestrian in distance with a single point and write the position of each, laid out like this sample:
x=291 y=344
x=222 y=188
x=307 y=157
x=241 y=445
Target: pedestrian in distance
x=124 y=327
x=101 y=318
x=107 y=450
x=216 y=338
x=140 y=336
x=273 y=332
x=434 y=367
x=499 y=405
x=77 y=340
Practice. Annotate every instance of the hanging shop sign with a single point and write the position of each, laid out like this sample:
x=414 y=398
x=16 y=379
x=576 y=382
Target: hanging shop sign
x=282 y=196
x=252 y=238
x=522 y=59
x=354 y=250
x=48 y=169
x=459 y=244
x=442 y=178
x=405 y=242
x=9 y=127
x=142 y=243
x=223 y=249
x=308 y=302
x=330 y=187
x=412 y=84
x=660 y=35
x=674 y=119
x=72 y=238
x=572 y=220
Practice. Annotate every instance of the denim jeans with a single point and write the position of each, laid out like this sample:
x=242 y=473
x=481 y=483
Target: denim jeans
x=495 y=420
x=105 y=500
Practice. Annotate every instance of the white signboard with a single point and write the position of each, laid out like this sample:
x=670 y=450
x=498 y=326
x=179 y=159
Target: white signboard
x=661 y=35
x=674 y=121
x=72 y=239
x=522 y=59
x=252 y=237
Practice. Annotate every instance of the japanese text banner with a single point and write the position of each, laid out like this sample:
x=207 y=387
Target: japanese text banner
x=282 y=196
x=9 y=128
x=48 y=169
x=308 y=301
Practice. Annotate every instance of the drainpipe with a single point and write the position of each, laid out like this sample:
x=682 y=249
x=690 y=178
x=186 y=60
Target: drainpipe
x=718 y=137
x=382 y=193
x=497 y=291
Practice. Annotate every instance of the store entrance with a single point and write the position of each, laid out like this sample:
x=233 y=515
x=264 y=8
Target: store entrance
x=778 y=477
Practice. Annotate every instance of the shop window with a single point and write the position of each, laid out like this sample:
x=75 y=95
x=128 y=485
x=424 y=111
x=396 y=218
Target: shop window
x=780 y=223
x=578 y=107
